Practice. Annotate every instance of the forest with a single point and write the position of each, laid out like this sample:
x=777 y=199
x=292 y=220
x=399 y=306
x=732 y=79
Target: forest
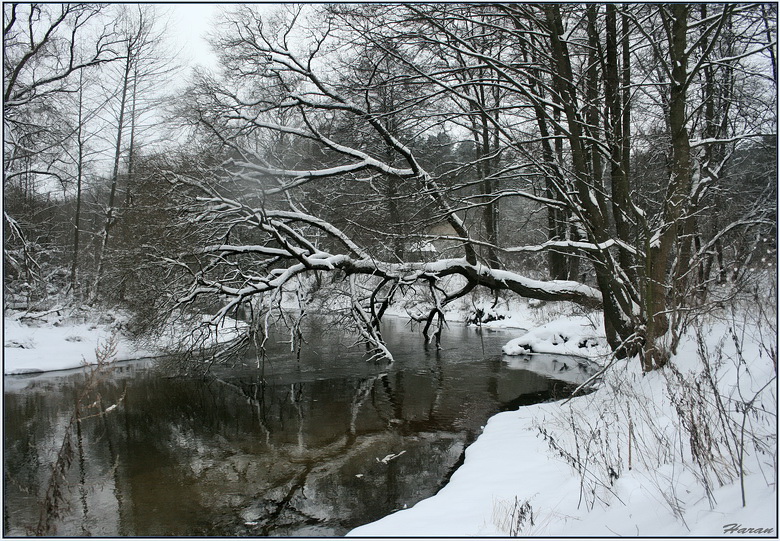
x=616 y=156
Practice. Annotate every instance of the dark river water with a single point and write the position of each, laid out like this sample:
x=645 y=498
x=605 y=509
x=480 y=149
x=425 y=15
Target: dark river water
x=304 y=447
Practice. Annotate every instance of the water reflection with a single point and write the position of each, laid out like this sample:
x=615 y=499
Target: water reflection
x=314 y=445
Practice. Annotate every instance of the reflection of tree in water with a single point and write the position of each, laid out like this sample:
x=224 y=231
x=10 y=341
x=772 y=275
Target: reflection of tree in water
x=278 y=454
x=335 y=484
x=388 y=413
x=333 y=479
x=46 y=467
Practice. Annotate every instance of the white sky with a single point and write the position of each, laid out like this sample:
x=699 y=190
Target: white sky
x=189 y=25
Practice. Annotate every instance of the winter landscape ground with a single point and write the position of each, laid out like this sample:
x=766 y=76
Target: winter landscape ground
x=618 y=462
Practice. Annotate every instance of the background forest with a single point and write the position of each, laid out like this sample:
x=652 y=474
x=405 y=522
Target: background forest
x=620 y=156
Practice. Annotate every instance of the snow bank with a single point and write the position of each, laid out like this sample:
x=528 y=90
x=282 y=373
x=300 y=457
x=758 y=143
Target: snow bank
x=510 y=465
x=53 y=341
x=513 y=484
x=478 y=309
x=570 y=335
x=505 y=459
x=620 y=461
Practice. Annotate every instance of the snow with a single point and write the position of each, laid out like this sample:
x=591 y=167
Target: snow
x=531 y=472
x=52 y=343
x=578 y=336
x=422 y=246
x=44 y=342
x=501 y=313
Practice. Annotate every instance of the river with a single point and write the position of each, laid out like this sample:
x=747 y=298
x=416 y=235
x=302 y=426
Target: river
x=306 y=445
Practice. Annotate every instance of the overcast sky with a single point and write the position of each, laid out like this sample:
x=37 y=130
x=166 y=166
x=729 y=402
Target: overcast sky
x=189 y=24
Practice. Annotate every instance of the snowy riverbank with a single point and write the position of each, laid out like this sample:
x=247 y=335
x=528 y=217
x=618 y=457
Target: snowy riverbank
x=618 y=461
x=60 y=339
x=621 y=461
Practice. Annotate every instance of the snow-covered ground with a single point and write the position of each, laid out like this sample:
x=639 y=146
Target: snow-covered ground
x=43 y=342
x=62 y=340
x=511 y=468
x=645 y=455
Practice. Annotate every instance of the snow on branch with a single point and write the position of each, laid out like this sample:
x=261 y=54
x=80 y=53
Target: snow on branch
x=400 y=273
x=727 y=140
x=574 y=245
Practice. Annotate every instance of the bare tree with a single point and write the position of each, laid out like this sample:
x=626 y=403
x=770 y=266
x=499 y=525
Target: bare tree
x=552 y=87
x=143 y=60
x=46 y=47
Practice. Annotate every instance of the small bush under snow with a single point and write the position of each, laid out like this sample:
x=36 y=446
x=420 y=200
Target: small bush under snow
x=571 y=335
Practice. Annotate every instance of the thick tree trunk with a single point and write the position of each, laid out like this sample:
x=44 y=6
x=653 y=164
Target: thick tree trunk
x=620 y=320
x=676 y=228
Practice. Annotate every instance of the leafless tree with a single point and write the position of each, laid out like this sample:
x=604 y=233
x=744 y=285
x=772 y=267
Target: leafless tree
x=45 y=48
x=144 y=68
x=552 y=87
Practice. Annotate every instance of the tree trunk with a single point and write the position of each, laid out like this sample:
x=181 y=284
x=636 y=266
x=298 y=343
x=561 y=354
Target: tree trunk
x=675 y=230
x=109 y=221
x=617 y=142
x=489 y=211
x=79 y=177
x=620 y=321
x=131 y=149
